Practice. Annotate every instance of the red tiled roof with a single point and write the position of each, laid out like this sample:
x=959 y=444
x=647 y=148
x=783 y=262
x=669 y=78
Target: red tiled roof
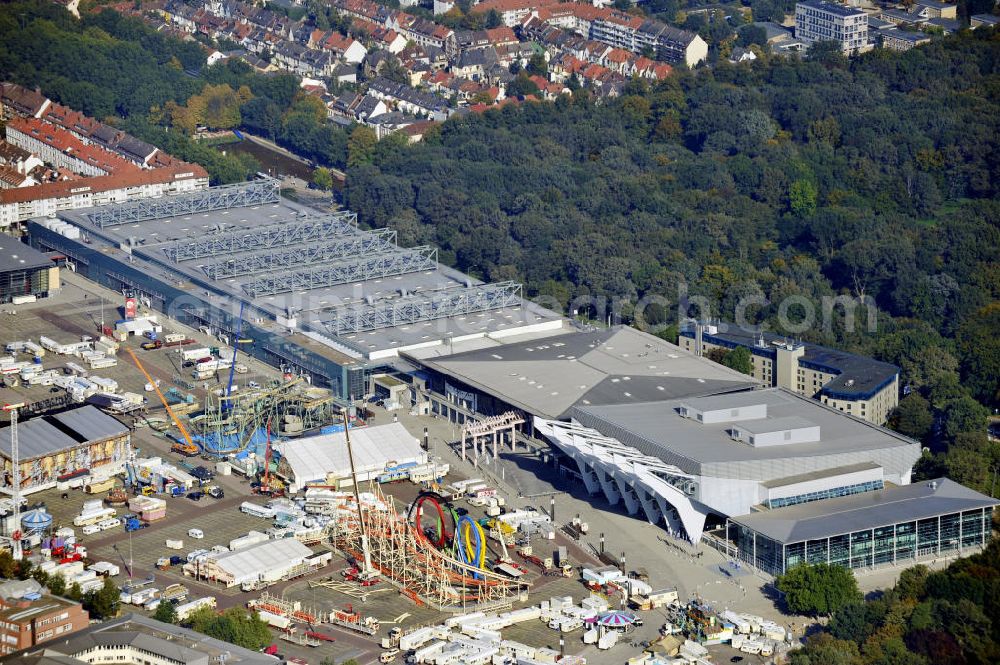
x=54 y=190
x=501 y=35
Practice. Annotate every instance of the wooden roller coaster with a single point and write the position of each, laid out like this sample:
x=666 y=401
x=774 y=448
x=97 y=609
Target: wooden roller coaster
x=405 y=557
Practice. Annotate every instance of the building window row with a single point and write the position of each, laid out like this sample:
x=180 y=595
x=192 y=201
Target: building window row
x=846 y=490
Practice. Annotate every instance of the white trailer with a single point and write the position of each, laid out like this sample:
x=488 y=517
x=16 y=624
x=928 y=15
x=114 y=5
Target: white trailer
x=256 y=510
x=195 y=354
x=95 y=516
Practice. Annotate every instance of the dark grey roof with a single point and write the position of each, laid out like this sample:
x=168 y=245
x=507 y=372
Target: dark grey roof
x=91 y=423
x=869 y=510
x=133 y=147
x=15 y=255
x=49 y=434
x=105 y=134
x=773 y=30
x=832 y=7
x=547 y=377
x=170 y=642
x=857 y=376
x=480 y=57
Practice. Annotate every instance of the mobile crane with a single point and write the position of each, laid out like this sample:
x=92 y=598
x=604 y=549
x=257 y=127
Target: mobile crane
x=187 y=447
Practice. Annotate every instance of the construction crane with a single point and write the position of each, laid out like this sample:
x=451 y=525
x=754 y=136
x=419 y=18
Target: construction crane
x=367 y=573
x=226 y=404
x=15 y=462
x=188 y=447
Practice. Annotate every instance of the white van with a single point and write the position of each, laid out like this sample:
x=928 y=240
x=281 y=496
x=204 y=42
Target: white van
x=112 y=523
x=91 y=529
x=196 y=533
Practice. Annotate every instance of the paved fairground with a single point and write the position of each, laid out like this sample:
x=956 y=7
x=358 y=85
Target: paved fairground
x=524 y=478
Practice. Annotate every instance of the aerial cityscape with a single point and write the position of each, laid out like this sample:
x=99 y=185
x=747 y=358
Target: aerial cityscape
x=499 y=332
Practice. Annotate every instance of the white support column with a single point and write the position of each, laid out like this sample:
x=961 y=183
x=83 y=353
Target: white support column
x=608 y=487
x=496 y=435
x=593 y=487
x=650 y=506
x=629 y=494
x=463 y=444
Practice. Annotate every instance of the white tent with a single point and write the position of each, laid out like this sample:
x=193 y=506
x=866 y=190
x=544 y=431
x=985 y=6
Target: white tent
x=323 y=458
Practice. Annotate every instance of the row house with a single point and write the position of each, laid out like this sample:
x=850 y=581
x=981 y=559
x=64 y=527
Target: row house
x=363 y=9
x=473 y=64
x=519 y=53
x=621 y=30
x=182 y=16
x=347 y=49
x=409 y=100
x=304 y=61
x=426 y=33
x=356 y=107
x=511 y=12
x=386 y=38
x=62 y=149
x=19 y=101
x=18 y=159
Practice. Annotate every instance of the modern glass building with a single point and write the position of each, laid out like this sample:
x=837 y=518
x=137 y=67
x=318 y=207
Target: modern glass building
x=882 y=527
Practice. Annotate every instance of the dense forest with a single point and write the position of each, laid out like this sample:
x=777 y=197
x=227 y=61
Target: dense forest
x=872 y=177
x=948 y=617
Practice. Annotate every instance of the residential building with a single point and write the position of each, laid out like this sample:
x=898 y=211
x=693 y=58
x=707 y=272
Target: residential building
x=29 y=615
x=48 y=198
x=819 y=21
x=18 y=101
x=134 y=639
x=983 y=20
x=856 y=385
x=91 y=163
x=928 y=9
x=512 y=11
x=409 y=100
x=903 y=40
x=889 y=527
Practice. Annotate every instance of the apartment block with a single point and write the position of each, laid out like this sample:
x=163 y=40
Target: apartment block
x=819 y=21
x=859 y=386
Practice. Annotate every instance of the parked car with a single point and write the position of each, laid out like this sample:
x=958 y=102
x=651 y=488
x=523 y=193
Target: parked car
x=195 y=496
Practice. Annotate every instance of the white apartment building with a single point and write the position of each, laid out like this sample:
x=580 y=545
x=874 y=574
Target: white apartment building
x=819 y=20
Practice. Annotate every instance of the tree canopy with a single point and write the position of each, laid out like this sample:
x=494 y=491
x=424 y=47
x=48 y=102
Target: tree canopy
x=819 y=589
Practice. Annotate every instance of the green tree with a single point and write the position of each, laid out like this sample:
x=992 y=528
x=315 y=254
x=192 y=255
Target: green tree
x=75 y=592
x=102 y=603
x=802 y=198
x=360 y=146
x=913 y=417
x=739 y=359
x=166 y=612
x=964 y=415
x=56 y=584
x=978 y=345
x=819 y=589
x=7 y=565
x=322 y=178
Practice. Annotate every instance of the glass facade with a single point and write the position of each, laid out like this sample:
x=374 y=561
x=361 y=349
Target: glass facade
x=901 y=542
x=348 y=382
x=831 y=493
x=31 y=282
